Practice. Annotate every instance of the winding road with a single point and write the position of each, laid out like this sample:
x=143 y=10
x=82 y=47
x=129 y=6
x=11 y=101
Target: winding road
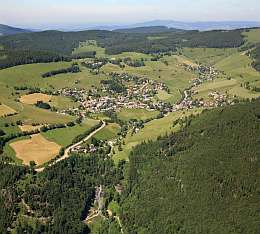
x=67 y=150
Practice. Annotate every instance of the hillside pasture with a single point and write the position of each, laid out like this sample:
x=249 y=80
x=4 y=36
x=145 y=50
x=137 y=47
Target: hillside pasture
x=65 y=136
x=58 y=102
x=6 y=110
x=31 y=76
x=29 y=114
x=37 y=149
x=109 y=132
x=208 y=56
x=239 y=67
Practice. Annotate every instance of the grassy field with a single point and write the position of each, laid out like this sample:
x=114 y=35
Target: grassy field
x=219 y=85
x=238 y=67
x=89 y=46
x=30 y=75
x=151 y=131
x=58 y=102
x=139 y=114
x=30 y=114
x=65 y=136
x=6 y=110
x=132 y=55
x=10 y=152
x=209 y=56
x=253 y=36
x=37 y=149
x=109 y=132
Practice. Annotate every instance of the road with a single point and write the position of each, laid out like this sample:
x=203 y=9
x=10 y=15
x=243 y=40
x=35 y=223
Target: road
x=67 y=150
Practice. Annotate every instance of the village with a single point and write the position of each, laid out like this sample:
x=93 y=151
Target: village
x=123 y=91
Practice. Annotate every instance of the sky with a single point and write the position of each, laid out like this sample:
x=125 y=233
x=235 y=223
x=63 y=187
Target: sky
x=62 y=13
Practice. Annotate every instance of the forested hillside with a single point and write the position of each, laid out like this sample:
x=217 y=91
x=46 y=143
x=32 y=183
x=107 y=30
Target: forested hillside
x=256 y=56
x=204 y=179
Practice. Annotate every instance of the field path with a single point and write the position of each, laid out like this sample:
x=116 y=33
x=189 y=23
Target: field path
x=67 y=150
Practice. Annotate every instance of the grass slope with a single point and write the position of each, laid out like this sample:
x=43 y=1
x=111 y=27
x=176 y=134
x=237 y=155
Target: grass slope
x=65 y=136
x=151 y=131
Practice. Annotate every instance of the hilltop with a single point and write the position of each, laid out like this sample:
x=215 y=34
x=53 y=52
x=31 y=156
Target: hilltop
x=8 y=30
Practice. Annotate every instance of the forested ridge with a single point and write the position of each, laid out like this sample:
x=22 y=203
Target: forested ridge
x=203 y=179
x=50 y=46
x=256 y=57
x=58 y=199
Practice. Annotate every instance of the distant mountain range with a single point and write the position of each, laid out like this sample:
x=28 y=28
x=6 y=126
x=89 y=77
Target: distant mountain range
x=7 y=30
x=201 y=26
x=154 y=26
x=150 y=29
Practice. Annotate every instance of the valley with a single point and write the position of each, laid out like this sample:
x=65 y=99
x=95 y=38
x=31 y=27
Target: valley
x=123 y=112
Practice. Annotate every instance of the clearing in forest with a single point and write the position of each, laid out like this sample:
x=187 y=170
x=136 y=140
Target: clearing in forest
x=37 y=149
x=34 y=98
x=6 y=110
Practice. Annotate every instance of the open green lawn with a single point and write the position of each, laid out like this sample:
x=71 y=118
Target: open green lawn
x=109 y=132
x=139 y=114
x=151 y=131
x=65 y=136
x=209 y=56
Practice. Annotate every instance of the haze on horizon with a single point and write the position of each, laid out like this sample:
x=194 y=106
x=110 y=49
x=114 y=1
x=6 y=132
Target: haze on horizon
x=64 y=13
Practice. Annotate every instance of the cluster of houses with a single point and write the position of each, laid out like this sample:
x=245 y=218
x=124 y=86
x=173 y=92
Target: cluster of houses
x=84 y=149
x=139 y=94
x=216 y=99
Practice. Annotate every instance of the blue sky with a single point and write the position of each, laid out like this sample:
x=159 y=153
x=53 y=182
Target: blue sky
x=52 y=13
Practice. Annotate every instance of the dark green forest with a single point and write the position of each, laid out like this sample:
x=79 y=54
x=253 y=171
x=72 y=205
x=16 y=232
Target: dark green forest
x=256 y=57
x=203 y=179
